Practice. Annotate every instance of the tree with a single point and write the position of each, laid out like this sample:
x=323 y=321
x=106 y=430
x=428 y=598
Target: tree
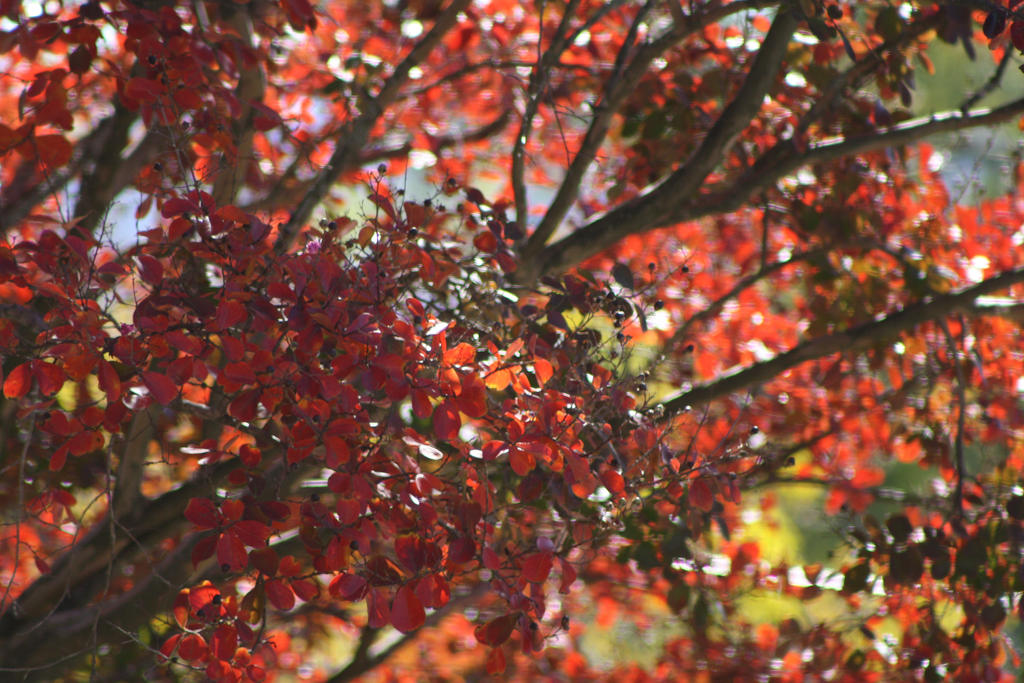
x=681 y=260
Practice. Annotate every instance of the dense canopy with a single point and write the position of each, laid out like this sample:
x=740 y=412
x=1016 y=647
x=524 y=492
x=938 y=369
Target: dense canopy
x=574 y=339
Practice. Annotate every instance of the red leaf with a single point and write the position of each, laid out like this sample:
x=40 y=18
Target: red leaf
x=254 y=534
x=231 y=553
x=537 y=566
x=225 y=641
x=144 y=90
x=446 y=420
x=701 y=496
x=175 y=206
x=495 y=661
x=204 y=549
x=496 y=631
x=421 y=406
x=265 y=560
x=568 y=575
x=613 y=481
x=152 y=271
x=192 y=647
x=337 y=451
x=245 y=406
x=203 y=513
x=407 y=613
x=264 y=118
x=53 y=150
x=473 y=399
x=49 y=377
x=167 y=649
x=1017 y=34
x=522 y=462
x=59 y=458
x=280 y=594
x=229 y=314
x=433 y=591
x=85 y=442
x=201 y=596
x=486 y=242
x=347 y=587
x=19 y=381
x=305 y=589
x=378 y=610
x=161 y=387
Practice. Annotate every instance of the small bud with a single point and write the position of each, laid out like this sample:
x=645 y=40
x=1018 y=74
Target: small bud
x=151 y=59
x=684 y=269
x=413 y=232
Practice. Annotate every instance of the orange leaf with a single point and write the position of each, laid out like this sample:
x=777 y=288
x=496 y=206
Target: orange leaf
x=460 y=355
x=19 y=381
x=543 y=370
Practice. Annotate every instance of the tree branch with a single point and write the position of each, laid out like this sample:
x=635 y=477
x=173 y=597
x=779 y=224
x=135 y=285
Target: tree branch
x=777 y=163
x=620 y=85
x=252 y=82
x=363 y=662
x=856 y=338
x=655 y=207
x=535 y=90
x=353 y=136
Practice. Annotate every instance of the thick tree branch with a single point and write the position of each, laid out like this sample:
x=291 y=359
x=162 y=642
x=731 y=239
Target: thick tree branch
x=655 y=207
x=535 y=91
x=617 y=90
x=779 y=162
x=856 y=338
x=618 y=87
x=252 y=82
x=353 y=136
x=98 y=186
x=362 y=661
